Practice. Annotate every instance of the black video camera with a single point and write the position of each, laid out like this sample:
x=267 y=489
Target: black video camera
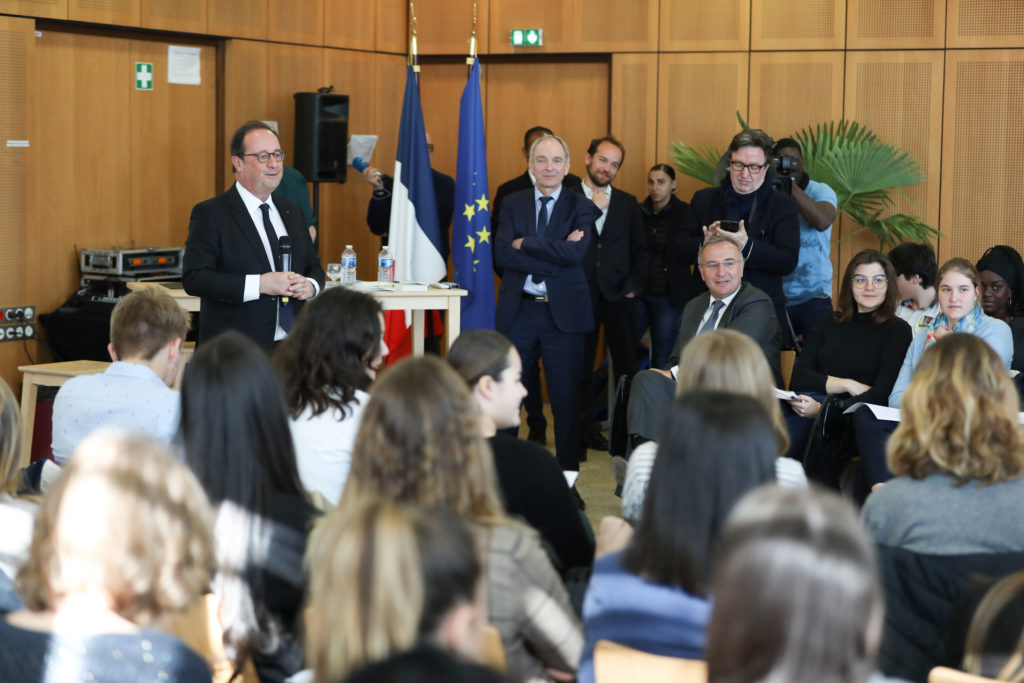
x=787 y=169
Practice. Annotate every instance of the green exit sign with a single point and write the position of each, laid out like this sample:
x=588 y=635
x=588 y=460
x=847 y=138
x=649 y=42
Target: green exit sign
x=527 y=37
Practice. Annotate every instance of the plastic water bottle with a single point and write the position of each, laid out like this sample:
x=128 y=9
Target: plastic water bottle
x=385 y=266
x=348 y=265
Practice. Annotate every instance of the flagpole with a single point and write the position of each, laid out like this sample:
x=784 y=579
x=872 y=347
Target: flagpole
x=472 y=41
x=412 y=59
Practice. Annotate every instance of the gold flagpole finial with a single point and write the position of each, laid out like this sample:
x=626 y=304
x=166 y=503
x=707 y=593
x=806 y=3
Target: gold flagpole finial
x=472 y=40
x=412 y=60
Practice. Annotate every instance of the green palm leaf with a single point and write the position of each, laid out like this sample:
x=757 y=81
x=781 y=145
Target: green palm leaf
x=696 y=162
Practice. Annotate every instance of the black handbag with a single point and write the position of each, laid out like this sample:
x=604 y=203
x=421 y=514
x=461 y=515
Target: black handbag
x=831 y=447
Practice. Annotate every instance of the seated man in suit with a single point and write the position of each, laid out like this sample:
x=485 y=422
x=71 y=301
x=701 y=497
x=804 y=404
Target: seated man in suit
x=146 y=332
x=729 y=303
x=233 y=257
x=542 y=238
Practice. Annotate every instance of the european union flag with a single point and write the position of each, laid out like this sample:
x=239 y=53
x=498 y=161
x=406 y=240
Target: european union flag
x=471 y=227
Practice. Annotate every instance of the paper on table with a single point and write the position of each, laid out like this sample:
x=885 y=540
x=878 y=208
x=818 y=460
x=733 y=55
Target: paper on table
x=361 y=146
x=571 y=477
x=183 y=65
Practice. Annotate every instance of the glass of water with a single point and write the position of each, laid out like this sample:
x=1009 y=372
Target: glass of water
x=334 y=273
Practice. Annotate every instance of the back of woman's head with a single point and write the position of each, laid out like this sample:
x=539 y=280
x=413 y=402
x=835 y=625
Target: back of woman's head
x=479 y=353
x=10 y=438
x=715 y=447
x=797 y=598
x=126 y=520
x=383 y=577
x=959 y=416
x=420 y=442
x=234 y=428
x=327 y=354
x=726 y=360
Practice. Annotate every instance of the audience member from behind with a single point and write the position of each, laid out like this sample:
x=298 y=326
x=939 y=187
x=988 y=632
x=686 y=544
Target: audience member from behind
x=421 y=443
x=326 y=365
x=726 y=361
x=425 y=664
x=856 y=352
x=386 y=577
x=954 y=507
x=122 y=540
x=669 y=284
x=234 y=430
x=532 y=485
x=16 y=512
x=916 y=267
x=147 y=329
x=1002 y=294
x=797 y=597
x=994 y=644
x=654 y=596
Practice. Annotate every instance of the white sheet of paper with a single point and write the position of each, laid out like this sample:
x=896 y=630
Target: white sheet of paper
x=881 y=412
x=785 y=395
x=361 y=146
x=571 y=477
x=183 y=65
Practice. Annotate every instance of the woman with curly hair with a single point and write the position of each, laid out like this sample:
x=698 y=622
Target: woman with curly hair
x=326 y=364
x=420 y=442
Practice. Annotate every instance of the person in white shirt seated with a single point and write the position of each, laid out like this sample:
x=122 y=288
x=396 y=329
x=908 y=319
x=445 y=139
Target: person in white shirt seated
x=326 y=364
x=147 y=328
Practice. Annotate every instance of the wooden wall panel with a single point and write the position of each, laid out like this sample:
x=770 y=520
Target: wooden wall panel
x=548 y=84
x=807 y=25
x=351 y=24
x=245 y=93
x=615 y=26
x=981 y=160
x=173 y=140
x=781 y=108
x=909 y=24
x=17 y=47
x=297 y=21
x=86 y=90
x=120 y=12
x=44 y=9
x=175 y=15
x=559 y=20
x=239 y=18
x=634 y=115
x=718 y=82
x=985 y=23
x=899 y=96
x=700 y=25
x=290 y=69
x=392 y=32
x=343 y=205
x=444 y=28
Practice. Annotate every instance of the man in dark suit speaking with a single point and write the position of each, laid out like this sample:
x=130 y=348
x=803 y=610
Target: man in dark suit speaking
x=543 y=300
x=233 y=258
x=730 y=304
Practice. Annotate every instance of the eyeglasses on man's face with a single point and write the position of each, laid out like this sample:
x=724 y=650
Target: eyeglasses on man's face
x=728 y=264
x=863 y=280
x=754 y=169
x=264 y=157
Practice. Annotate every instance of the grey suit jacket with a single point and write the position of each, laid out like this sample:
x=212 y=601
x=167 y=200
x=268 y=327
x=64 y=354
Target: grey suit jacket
x=750 y=312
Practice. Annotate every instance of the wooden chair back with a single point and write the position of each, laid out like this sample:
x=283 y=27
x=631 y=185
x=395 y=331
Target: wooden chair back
x=614 y=662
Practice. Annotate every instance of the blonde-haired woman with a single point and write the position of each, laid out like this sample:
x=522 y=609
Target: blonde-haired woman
x=955 y=505
x=122 y=540
x=16 y=512
x=386 y=578
x=420 y=442
x=723 y=360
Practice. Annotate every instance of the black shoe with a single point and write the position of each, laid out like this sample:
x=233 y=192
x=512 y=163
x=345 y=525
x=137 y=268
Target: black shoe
x=538 y=435
x=578 y=499
x=595 y=439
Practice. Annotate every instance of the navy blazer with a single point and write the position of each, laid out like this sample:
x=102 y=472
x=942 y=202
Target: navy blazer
x=222 y=248
x=617 y=260
x=558 y=260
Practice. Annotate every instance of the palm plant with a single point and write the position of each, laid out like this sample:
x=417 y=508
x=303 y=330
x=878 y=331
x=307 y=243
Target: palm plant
x=864 y=171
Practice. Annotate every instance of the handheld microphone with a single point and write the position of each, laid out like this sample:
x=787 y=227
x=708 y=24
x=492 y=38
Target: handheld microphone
x=360 y=164
x=284 y=244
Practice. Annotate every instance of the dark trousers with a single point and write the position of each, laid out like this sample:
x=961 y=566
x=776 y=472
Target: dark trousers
x=535 y=335
x=534 y=401
x=663 y=319
x=803 y=316
x=621 y=338
x=799 y=428
x=872 y=435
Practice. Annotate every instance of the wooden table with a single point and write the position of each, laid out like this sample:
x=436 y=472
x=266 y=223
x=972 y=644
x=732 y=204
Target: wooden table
x=49 y=374
x=417 y=302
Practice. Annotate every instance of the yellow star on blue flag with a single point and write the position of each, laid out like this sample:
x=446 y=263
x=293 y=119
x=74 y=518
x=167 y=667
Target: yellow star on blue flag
x=481 y=204
x=469 y=212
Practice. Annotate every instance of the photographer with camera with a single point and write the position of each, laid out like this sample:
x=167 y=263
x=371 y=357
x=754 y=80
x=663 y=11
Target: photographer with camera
x=747 y=209
x=808 y=288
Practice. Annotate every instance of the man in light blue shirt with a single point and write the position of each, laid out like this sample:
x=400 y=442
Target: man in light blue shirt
x=147 y=329
x=808 y=289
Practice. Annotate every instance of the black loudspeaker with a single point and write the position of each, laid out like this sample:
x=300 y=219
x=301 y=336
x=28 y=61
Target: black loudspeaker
x=321 y=136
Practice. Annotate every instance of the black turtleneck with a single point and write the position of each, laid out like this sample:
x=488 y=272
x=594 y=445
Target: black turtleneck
x=858 y=350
